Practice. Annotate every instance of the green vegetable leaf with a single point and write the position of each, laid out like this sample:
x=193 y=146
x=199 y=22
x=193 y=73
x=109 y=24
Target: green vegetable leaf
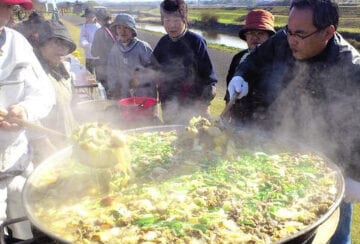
x=146 y=220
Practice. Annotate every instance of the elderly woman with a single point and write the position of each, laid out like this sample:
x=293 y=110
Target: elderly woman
x=128 y=60
x=258 y=27
x=53 y=45
x=187 y=85
x=104 y=40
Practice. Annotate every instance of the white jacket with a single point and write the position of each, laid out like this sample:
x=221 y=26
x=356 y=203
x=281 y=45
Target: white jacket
x=24 y=82
x=87 y=34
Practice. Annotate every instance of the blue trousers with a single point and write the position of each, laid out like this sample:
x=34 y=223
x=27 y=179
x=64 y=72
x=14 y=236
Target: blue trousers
x=342 y=233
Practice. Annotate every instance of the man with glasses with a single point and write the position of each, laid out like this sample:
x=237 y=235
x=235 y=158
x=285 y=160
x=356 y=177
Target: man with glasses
x=25 y=93
x=304 y=82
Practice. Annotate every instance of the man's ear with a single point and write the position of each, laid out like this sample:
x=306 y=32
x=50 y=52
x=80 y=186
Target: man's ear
x=330 y=30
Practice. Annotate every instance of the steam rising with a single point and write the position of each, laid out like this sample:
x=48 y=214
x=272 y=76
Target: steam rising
x=326 y=119
x=108 y=111
x=180 y=105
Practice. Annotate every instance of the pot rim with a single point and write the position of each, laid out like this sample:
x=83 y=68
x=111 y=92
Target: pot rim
x=67 y=151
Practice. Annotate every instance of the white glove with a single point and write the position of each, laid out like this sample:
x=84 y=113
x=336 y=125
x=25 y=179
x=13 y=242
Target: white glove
x=352 y=191
x=238 y=84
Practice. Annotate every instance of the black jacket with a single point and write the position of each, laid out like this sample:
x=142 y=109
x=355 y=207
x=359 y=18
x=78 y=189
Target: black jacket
x=241 y=108
x=187 y=67
x=316 y=101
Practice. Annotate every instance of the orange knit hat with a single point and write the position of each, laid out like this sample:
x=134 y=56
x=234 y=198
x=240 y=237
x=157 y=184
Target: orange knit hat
x=258 y=19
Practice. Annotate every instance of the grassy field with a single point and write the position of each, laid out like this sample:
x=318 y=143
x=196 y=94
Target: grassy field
x=348 y=24
x=355 y=230
x=216 y=107
x=349 y=16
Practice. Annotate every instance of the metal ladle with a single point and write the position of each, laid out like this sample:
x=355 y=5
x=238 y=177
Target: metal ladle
x=132 y=94
x=142 y=103
x=83 y=156
x=223 y=123
x=31 y=125
x=133 y=83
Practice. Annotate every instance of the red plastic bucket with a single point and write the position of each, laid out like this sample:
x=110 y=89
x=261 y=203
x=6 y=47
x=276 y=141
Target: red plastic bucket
x=134 y=109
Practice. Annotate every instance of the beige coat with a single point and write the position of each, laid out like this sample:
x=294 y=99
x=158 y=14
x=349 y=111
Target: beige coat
x=61 y=117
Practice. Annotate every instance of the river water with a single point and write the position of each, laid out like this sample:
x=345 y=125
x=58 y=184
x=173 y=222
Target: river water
x=210 y=37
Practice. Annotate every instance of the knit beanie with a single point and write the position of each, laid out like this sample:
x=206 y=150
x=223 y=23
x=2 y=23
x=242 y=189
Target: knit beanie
x=26 y=4
x=125 y=19
x=174 y=7
x=258 y=19
x=55 y=29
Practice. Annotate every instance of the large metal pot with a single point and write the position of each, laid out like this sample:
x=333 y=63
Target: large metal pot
x=34 y=193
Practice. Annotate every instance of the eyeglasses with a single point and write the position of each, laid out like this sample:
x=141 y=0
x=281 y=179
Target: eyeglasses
x=299 y=35
x=257 y=34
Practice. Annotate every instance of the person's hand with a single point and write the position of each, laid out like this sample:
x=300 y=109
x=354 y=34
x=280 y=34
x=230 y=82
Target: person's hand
x=133 y=82
x=3 y=114
x=238 y=84
x=9 y=117
x=208 y=93
x=352 y=191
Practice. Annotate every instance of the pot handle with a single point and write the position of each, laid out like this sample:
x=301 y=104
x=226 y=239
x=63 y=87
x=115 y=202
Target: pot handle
x=5 y=224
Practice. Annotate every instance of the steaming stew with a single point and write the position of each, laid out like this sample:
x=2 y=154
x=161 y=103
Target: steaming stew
x=184 y=191
x=97 y=145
